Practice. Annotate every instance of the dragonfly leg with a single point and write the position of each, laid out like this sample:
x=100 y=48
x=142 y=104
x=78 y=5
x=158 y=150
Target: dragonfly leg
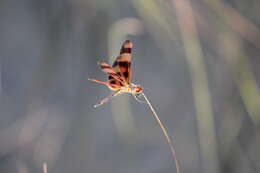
x=107 y=98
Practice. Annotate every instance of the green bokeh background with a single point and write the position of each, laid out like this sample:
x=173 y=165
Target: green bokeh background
x=198 y=62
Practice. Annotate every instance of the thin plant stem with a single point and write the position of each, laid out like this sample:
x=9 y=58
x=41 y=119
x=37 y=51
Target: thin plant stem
x=44 y=167
x=165 y=134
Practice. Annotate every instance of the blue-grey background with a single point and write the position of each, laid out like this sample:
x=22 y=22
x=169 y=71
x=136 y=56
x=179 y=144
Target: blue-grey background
x=198 y=62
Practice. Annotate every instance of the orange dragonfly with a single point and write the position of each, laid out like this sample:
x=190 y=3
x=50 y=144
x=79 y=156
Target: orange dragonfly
x=119 y=80
x=120 y=74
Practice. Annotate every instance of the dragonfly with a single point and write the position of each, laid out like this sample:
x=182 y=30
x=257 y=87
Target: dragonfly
x=119 y=80
x=120 y=75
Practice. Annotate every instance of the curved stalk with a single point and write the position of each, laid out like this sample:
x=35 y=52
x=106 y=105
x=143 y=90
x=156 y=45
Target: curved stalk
x=170 y=143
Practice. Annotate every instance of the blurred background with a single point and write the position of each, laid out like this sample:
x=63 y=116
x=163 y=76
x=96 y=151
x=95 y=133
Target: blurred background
x=198 y=62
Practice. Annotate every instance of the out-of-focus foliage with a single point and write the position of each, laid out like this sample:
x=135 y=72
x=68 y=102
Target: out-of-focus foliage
x=198 y=62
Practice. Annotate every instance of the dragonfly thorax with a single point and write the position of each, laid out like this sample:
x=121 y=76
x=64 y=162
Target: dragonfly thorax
x=132 y=88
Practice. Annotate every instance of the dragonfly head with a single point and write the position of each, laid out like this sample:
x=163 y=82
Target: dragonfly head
x=138 y=89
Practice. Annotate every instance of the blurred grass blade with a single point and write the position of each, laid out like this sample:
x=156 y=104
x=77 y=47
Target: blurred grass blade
x=200 y=86
x=243 y=75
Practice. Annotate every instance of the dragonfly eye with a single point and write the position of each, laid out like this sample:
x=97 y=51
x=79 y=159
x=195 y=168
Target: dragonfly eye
x=138 y=89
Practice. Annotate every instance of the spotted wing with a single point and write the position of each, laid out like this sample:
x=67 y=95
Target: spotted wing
x=115 y=81
x=122 y=64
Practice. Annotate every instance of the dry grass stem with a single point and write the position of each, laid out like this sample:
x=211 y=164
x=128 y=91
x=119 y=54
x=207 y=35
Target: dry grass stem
x=165 y=134
x=44 y=167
